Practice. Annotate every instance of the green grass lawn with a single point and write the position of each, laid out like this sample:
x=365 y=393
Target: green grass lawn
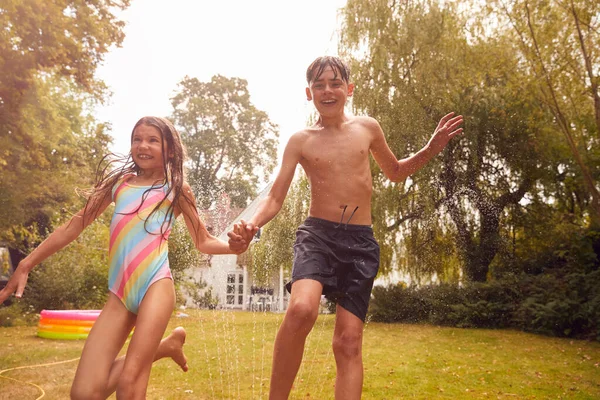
x=229 y=354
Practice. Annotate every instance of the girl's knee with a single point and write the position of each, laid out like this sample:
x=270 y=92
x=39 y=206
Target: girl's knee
x=132 y=381
x=86 y=392
x=126 y=387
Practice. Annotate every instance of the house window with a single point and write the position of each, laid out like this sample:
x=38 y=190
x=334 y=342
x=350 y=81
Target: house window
x=235 y=289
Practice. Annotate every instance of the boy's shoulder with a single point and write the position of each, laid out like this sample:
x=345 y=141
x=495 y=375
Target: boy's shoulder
x=366 y=121
x=301 y=135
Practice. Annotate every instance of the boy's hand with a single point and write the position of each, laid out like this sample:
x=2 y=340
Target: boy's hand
x=447 y=128
x=243 y=231
x=249 y=228
x=16 y=284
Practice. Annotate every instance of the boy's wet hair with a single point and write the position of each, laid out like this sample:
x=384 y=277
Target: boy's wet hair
x=316 y=68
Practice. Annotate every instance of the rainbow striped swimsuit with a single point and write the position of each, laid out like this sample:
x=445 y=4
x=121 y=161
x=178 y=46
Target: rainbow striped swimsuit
x=138 y=254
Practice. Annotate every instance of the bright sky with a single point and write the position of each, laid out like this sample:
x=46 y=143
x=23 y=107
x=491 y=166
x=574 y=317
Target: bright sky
x=270 y=43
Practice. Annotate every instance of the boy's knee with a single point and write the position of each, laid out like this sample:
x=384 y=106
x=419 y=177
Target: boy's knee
x=302 y=315
x=348 y=344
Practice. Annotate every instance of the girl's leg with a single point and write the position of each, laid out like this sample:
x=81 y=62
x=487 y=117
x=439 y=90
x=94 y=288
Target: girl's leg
x=101 y=347
x=152 y=319
x=171 y=346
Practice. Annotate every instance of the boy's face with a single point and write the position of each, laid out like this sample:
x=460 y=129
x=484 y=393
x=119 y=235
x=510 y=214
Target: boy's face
x=329 y=93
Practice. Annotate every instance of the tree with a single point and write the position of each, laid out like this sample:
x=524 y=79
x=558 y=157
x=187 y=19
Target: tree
x=41 y=176
x=49 y=142
x=431 y=59
x=68 y=39
x=559 y=44
x=229 y=141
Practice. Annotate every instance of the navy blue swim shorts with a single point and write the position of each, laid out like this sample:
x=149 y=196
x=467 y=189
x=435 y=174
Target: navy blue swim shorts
x=344 y=258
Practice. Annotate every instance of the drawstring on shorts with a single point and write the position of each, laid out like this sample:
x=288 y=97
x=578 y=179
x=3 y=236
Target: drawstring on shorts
x=342 y=219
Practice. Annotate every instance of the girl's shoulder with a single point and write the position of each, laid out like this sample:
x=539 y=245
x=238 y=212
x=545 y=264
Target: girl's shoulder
x=121 y=181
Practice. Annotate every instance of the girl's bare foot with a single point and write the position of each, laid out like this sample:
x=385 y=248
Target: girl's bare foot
x=172 y=346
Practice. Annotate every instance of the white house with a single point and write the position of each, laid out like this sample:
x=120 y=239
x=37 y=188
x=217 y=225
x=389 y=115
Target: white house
x=230 y=282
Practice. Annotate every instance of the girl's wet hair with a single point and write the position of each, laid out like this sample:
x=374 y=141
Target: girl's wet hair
x=316 y=68
x=113 y=167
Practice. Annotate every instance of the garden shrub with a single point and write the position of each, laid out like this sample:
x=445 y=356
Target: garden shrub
x=560 y=305
x=74 y=278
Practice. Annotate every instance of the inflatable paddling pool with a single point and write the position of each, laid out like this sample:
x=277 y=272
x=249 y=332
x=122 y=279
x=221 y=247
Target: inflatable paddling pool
x=66 y=324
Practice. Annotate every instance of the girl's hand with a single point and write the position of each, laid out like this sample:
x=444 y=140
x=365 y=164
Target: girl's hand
x=16 y=283
x=237 y=243
x=238 y=247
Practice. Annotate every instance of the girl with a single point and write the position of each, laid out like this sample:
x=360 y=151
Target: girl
x=149 y=194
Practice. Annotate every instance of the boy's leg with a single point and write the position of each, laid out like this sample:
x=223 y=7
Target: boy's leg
x=102 y=346
x=299 y=319
x=152 y=319
x=347 y=348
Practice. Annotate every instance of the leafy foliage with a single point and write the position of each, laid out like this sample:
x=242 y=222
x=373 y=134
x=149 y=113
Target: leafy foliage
x=74 y=278
x=49 y=142
x=564 y=300
x=40 y=175
x=414 y=61
x=558 y=44
x=228 y=140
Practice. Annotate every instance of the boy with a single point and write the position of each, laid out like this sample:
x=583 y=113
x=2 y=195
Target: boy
x=335 y=252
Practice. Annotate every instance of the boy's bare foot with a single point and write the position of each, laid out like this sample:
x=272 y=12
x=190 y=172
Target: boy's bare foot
x=172 y=346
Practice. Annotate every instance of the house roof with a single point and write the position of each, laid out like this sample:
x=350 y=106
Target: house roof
x=248 y=211
x=215 y=220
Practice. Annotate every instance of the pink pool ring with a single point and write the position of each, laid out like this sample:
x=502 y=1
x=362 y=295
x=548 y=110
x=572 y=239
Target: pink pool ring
x=66 y=324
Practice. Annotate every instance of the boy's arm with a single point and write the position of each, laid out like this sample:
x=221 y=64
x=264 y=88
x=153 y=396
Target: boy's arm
x=398 y=171
x=58 y=239
x=203 y=240
x=270 y=205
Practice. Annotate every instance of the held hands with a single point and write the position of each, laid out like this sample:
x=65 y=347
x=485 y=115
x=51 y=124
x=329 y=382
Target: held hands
x=241 y=236
x=16 y=283
x=447 y=128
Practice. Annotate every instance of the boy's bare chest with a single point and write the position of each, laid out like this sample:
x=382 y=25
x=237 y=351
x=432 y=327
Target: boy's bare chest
x=329 y=152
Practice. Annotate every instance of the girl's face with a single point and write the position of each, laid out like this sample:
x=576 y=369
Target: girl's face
x=147 y=148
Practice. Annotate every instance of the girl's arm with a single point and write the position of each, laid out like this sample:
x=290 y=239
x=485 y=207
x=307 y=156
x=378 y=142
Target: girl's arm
x=57 y=240
x=203 y=240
